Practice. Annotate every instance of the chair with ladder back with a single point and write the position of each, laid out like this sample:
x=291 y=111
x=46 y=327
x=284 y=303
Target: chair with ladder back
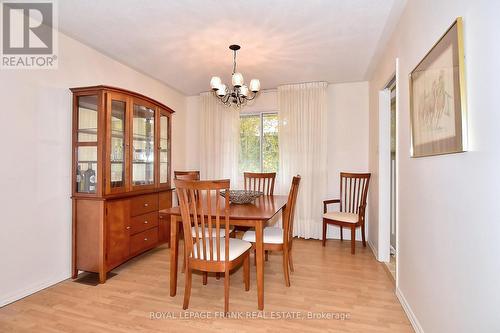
x=352 y=206
x=207 y=248
x=280 y=239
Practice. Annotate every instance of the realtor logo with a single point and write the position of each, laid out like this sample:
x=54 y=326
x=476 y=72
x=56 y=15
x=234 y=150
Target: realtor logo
x=28 y=35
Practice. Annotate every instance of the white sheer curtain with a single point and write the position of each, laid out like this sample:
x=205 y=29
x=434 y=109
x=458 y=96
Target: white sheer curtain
x=219 y=140
x=302 y=141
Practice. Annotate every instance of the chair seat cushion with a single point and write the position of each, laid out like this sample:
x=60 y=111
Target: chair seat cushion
x=222 y=231
x=236 y=248
x=272 y=235
x=342 y=217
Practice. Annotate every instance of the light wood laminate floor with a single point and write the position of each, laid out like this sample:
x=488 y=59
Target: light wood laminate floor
x=327 y=280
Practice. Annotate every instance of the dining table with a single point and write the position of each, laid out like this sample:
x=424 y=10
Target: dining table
x=256 y=214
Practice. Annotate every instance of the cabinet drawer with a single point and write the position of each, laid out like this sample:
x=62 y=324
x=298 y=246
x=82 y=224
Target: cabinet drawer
x=143 y=222
x=143 y=241
x=143 y=204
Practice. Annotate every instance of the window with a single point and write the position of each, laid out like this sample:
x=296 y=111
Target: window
x=259 y=149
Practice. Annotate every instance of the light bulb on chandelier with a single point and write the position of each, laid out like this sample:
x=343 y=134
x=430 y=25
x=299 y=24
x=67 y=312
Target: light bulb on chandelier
x=239 y=94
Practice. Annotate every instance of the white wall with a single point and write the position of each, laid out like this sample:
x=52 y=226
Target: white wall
x=35 y=131
x=448 y=221
x=347 y=139
x=347 y=132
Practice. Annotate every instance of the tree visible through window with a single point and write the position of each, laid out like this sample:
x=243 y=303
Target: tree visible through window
x=259 y=149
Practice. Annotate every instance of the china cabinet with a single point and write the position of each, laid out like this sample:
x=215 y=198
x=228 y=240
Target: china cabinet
x=121 y=176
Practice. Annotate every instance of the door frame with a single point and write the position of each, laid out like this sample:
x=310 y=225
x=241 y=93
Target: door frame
x=384 y=169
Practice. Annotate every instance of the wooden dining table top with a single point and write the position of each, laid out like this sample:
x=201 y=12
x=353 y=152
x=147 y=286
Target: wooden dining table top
x=263 y=208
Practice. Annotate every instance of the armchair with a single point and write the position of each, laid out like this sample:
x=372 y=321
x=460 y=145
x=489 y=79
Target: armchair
x=352 y=206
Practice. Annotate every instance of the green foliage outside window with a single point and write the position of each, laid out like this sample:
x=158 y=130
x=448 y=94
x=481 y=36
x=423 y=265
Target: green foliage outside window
x=255 y=129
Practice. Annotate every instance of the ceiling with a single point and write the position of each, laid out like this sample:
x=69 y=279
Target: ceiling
x=184 y=43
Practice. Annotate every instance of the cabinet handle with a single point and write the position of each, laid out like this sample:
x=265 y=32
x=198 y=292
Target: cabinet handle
x=145 y=205
x=145 y=239
x=145 y=222
x=128 y=228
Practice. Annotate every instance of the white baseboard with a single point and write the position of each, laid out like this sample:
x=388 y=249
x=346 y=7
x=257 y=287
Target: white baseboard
x=409 y=313
x=10 y=298
x=374 y=250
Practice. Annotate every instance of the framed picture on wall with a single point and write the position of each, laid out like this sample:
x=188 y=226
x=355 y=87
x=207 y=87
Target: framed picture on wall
x=438 y=98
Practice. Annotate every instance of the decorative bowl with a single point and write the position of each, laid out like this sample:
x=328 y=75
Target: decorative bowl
x=242 y=197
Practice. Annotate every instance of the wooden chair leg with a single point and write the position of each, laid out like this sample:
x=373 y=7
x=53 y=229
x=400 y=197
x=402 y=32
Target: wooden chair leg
x=217 y=276
x=267 y=257
x=341 y=233
x=324 y=232
x=363 y=234
x=183 y=252
x=183 y=259
x=290 y=261
x=285 y=267
x=246 y=271
x=255 y=257
x=205 y=278
x=187 y=288
x=183 y=270
x=226 y=292
x=353 y=239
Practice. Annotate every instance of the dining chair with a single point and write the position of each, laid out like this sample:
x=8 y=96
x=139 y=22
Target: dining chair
x=203 y=209
x=187 y=175
x=261 y=182
x=194 y=175
x=352 y=206
x=281 y=239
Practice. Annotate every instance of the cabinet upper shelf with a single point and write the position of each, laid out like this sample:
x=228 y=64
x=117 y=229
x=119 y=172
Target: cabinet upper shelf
x=117 y=134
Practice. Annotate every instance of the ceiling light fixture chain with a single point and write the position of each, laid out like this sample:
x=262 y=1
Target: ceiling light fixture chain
x=234 y=62
x=239 y=94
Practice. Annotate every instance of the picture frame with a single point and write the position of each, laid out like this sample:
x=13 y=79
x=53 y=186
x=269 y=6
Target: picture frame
x=438 y=104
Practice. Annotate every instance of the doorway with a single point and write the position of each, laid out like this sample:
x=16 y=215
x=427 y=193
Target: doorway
x=388 y=242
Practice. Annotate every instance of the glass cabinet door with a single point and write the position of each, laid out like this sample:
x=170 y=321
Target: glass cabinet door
x=143 y=144
x=164 y=148
x=115 y=145
x=86 y=144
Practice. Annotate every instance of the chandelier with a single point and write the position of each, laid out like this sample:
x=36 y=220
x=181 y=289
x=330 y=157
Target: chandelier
x=239 y=94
